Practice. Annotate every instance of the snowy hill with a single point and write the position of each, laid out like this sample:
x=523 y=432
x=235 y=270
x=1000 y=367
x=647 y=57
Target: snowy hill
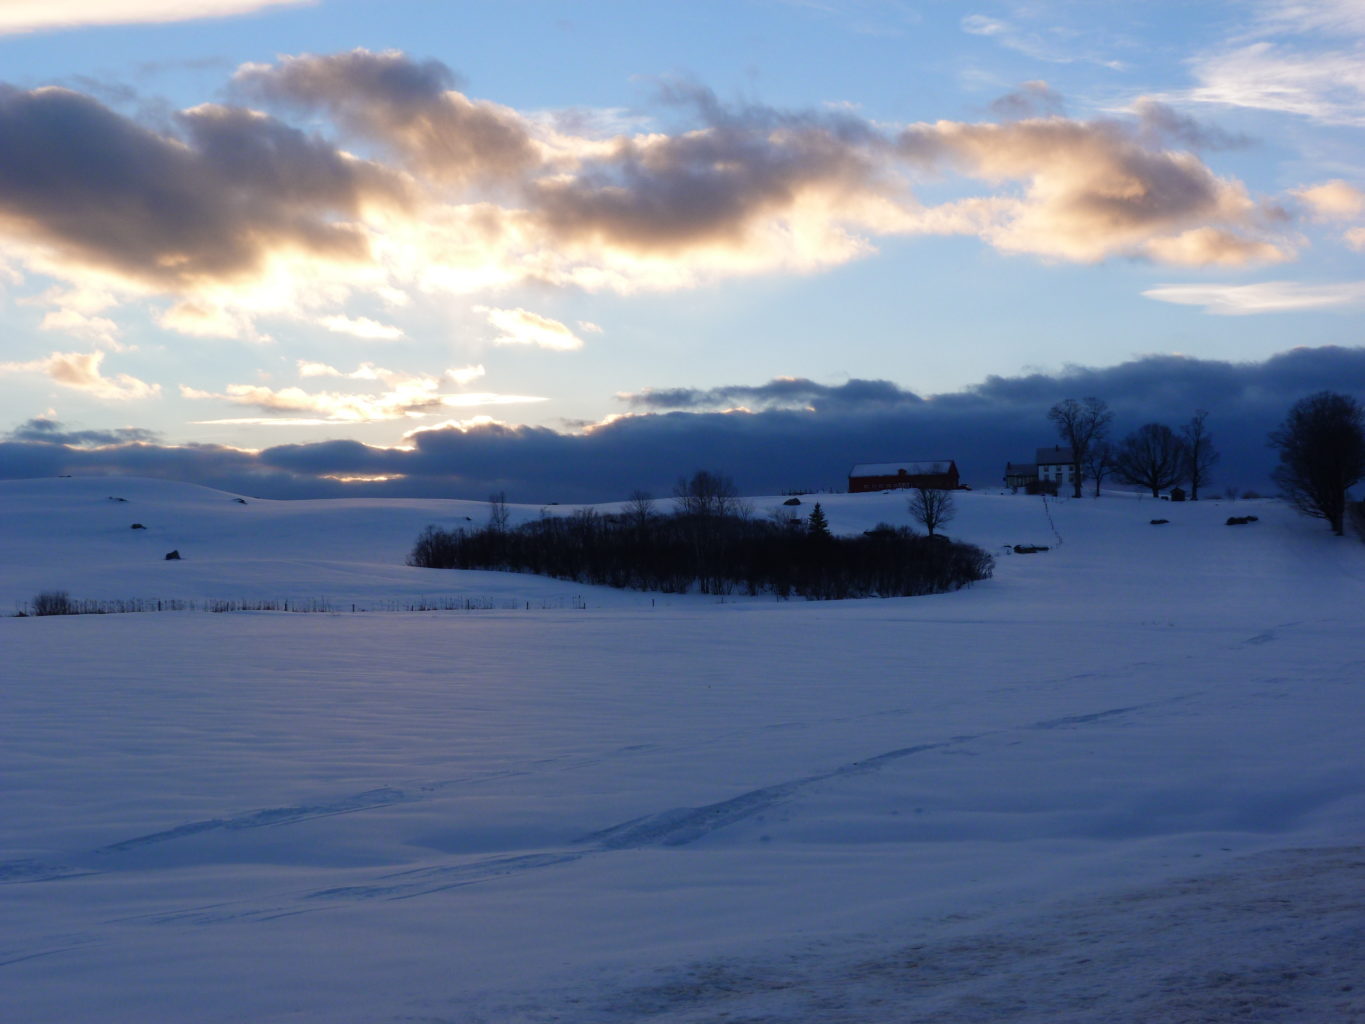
x=1119 y=781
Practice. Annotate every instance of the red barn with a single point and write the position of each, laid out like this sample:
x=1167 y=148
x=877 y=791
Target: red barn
x=939 y=474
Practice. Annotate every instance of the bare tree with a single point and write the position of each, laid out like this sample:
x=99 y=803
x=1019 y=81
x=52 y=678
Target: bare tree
x=705 y=493
x=1153 y=456
x=1099 y=463
x=1322 y=455
x=639 y=508
x=931 y=508
x=498 y=516
x=1081 y=425
x=1199 y=452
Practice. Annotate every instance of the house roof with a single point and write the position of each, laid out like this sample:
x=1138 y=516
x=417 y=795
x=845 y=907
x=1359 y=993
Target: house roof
x=926 y=467
x=1054 y=456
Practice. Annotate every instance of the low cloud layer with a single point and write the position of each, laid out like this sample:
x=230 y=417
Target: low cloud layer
x=802 y=435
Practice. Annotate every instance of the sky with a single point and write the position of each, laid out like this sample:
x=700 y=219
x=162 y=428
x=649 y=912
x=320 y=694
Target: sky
x=319 y=247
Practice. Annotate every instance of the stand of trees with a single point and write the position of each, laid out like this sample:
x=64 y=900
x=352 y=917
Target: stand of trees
x=712 y=552
x=1153 y=456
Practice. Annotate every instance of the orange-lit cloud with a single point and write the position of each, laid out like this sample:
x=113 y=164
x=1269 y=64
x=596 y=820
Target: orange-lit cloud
x=1095 y=189
x=1333 y=200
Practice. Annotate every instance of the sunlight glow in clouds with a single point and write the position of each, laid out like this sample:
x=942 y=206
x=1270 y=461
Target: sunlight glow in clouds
x=237 y=214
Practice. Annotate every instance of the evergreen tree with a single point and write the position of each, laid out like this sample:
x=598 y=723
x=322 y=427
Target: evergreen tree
x=817 y=525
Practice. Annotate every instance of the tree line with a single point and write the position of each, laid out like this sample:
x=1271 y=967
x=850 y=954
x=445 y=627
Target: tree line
x=712 y=543
x=1321 y=447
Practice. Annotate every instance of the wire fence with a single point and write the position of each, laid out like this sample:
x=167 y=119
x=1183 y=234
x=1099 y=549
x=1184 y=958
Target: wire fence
x=60 y=603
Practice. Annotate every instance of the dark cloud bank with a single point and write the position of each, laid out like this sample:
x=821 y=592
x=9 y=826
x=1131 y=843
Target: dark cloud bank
x=786 y=434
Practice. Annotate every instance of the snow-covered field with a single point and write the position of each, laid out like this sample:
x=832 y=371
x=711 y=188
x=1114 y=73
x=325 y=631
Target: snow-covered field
x=1121 y=781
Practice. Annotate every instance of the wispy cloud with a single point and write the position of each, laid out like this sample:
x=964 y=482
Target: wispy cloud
x=82 y=371
x=1304 y=17
x=405 y=396
x=18 y=16
x=1264 y=297
x=1326 y=86
x=1049 y=43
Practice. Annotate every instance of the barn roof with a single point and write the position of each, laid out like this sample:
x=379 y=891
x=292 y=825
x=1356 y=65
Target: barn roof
x=925 y=467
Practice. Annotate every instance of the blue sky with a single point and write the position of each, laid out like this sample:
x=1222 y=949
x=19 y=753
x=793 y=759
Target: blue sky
x=242 y=224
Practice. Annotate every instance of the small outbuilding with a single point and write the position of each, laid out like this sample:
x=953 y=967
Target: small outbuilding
x=938 y=474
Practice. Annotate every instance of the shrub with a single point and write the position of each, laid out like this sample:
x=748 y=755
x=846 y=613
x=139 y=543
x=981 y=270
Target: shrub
x=53 y=602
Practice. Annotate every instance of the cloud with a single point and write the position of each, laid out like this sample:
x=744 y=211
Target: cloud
x=1161 y=125
x=17 y=16
x=1333 y=200
x=81 y=371
x=99 y=329
x=214 y=203
x=361 y=327
x=224 y=216
x=1326 y=86
x=407 y=396
x=409 y=107
x=368 y=371
x=1264 y=297
x=49 y=431
x=1032 y=99
x=522 y=327
x=783 y=446
x=1046 y=43
x=780 y=393
x=1095 y=189
x=1303 y=17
